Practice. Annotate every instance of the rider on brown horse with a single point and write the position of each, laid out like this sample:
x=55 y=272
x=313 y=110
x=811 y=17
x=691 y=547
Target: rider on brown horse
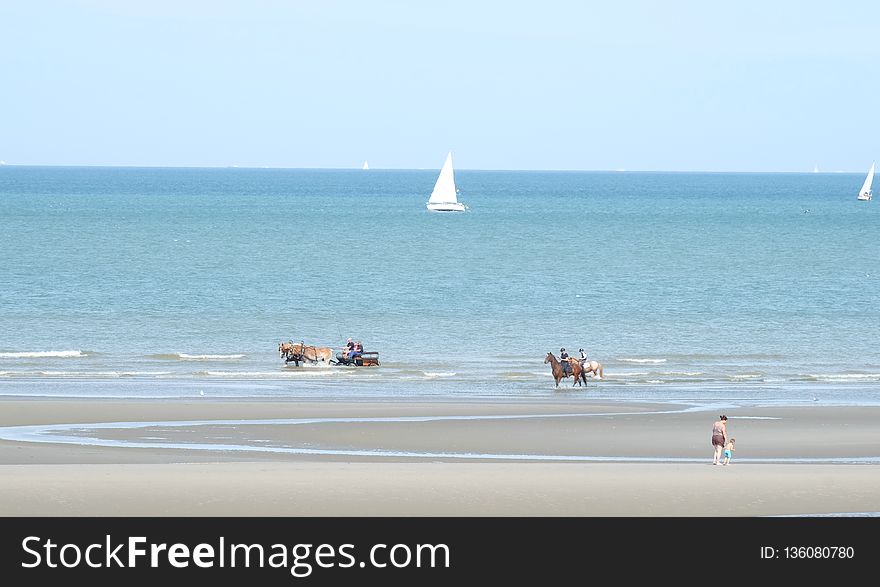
x=563 y=360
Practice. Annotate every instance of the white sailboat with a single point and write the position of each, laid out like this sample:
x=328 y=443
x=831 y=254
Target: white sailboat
x=366 y=165
x=444 y=197
x=865 y=193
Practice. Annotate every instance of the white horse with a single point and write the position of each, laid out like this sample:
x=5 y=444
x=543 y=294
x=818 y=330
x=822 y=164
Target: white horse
x=594 y=367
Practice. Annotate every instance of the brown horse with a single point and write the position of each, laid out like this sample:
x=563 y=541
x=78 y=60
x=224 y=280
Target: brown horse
x=300 y=352
x=559 y=373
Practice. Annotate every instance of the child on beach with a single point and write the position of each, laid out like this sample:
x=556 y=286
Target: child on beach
x=728 y=451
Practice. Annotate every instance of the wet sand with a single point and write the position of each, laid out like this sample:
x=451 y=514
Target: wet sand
x=636 y=459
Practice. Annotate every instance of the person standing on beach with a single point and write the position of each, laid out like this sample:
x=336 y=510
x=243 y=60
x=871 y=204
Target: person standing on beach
x=719 y=438
x=728 y=451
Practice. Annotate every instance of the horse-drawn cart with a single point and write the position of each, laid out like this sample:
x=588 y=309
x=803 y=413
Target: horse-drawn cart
x=303 y=354
x=365 y=359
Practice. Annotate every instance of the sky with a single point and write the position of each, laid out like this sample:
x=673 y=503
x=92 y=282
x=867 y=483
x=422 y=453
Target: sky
x=630 y=84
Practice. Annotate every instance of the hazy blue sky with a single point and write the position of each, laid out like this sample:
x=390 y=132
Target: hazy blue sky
x=640 y=85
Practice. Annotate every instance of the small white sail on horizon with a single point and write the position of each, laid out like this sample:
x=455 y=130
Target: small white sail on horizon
x=366 y=165
x=444 y=198
x=865 y=193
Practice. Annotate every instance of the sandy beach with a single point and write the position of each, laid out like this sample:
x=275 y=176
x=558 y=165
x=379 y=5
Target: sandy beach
x=417 y=458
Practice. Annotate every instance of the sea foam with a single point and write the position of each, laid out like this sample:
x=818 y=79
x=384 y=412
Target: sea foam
x=42 y=354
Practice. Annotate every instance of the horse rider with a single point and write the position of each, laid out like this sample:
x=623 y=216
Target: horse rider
x=563 y=360
x=583 y=358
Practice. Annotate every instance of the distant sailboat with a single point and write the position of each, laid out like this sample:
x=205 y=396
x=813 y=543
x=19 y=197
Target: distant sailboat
x=865 y=193
x=444 y=197
x=815 y=169
x=366 y=165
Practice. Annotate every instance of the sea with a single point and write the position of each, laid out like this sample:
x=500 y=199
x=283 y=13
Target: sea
x=182 y=282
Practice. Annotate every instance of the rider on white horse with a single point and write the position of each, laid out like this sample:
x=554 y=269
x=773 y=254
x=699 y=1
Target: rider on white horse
x=592 y=367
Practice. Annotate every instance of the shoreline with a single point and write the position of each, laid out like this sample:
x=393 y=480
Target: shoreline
x=50 y=478
x=311 y=385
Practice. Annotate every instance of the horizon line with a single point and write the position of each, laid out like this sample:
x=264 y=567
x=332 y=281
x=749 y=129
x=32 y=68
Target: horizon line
x=619 y=170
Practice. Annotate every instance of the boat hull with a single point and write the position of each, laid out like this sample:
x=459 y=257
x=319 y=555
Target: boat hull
x=447 y=207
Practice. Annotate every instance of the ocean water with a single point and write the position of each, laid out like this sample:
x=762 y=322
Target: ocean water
x=149 y=282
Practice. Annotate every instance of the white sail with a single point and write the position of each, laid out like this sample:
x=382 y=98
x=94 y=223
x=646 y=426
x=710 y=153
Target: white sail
x=865 y=192
x=366 y=165
x=444 y=189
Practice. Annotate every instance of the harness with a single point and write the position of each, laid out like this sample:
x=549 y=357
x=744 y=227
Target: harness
x=303 y=356
x=300 y=357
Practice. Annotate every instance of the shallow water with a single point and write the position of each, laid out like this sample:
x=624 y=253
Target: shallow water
x=161 y=437
x=177 y=282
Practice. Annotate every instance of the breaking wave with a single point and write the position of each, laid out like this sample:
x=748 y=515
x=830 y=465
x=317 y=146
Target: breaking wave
x=187 y=357
x=840 y=377
x=85 y=374
x=42 y=354
x=284 y=374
